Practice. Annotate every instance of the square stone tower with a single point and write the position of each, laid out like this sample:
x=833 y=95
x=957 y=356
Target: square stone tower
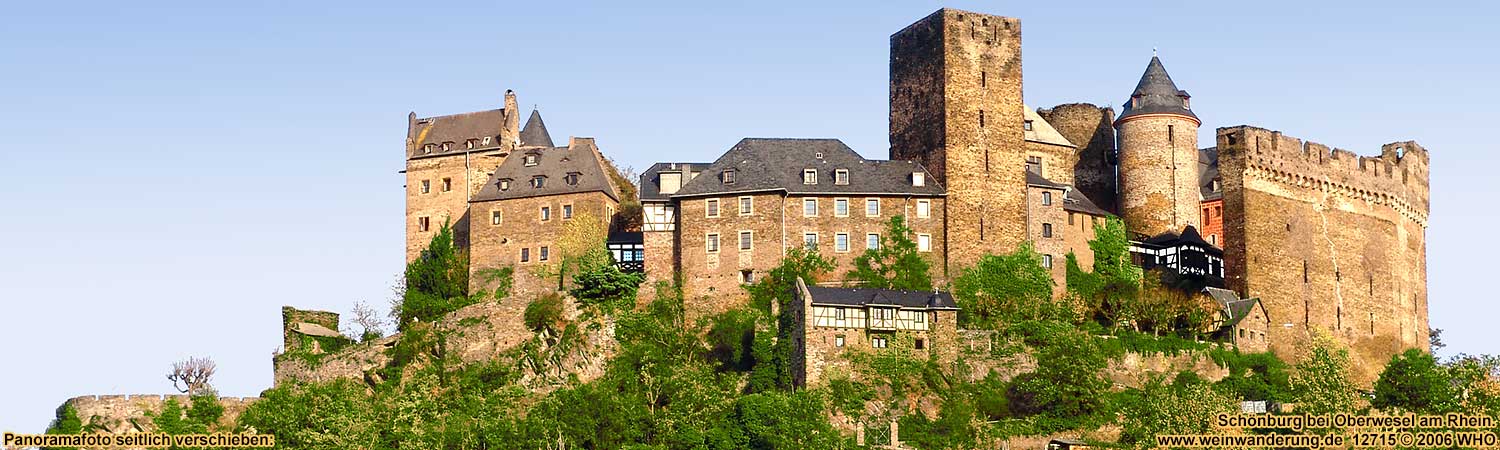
x=956 y=108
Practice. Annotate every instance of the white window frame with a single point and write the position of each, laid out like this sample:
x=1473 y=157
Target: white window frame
x=1047 y=261
x=837 y=245
x=838 y=341
x=711 y=243
x=924 y=242
x=869 y=241
x=747 y=206
x=1046 y=198
x=809 y=176
x=924 y=209
x=810 y=240
x=496 y=217
x=711 y=207
x=810 y=201
x=567 y=211
x=841 y=176
x=872 y=201
x=836 y=202
x=545 y=213
x=747 y=237
x=426 y=186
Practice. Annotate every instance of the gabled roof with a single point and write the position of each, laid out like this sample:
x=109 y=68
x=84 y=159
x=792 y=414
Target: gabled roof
x=534 y=134
x=1043 y=132
x=1189 y=236
x=456 y=129
x=1157 y=93
x=650 y=183
x=881 y=297
x=777 y=164
x=581 y=157
x=1234 y=308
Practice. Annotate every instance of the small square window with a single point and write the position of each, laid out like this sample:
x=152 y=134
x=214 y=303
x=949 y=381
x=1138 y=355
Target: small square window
x=918 y=344
x=530 y=160
x=841 y=207
x=505 y=184
x=546 y=213
x=838 y=314
x=711 y=243
x=809 y=207
x=1026 y=125
x=810 y=176
x=872 y=207
x=872 y=241
x=918 y=179
x=747 y=276
x=571 y=178
x=525 y=255
x=711 y=207
x=538 y=181
x=841 y=242
x=567 y=211
x=747 y=206
x=878 y=342
x=924 y=209
x=494 y=217
x=426 y=186
x=728 y=176
x=1046 y=198
x=542 y=256
x=423 y=223
x=1046 y=230
x=924 y=242
x=447 y=184
x=810 y=241
x=838 y=341
x=920 y=316
x=841 y=176
x=746 y=240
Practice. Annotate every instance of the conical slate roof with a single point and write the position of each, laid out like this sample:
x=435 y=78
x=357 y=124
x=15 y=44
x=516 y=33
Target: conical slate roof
x=534 y=134
x=1157 y=94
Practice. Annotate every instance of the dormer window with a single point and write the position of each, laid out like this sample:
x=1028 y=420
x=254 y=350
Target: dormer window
x=530 y=159
x=447 y=145
x=1026 y=125
x=918 y=179
x=728 y=176
x=504 y=184
x=486 y=140
x=810 y=176
x=1135 y=102
x=427 y=149
x=571 y=178
x=1185 y=104
x=841 y=176
x=538 y=181
x=1216 y=186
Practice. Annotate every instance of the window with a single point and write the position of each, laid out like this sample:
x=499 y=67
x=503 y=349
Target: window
x=809 y=207
x=745 y=240
x=530 y=159
x=917 y=344
x=810 y=241
x=609 y=212
x=543 y=255
x=1213 y=239
x=538 y=181
x=711 y=243
x=1047 y=261
x=1216 y=185
x=872 y=207
x=810 y=176
x=447 y=184
x=1026 y=125
x=567 y=211
x=841 y=176
x=427 y=149
x=447 y=145
x=981 y=118
x=841 y=207
x=426 y=186
x=571 y=178
x=1034 y=164
x=924 y=242
x=1070 y=218
x=838 y=341
x=505 y=184
x=494 y=217
x=546 y=213
x=747 y=276
x=918 y=179
x=878 y=342
x=525 y=255
x=486 y=140
x=841 y=242
x=1046 y=198
x=838 y=314
x=919 y=317
x=747 y=206
x=924 y=209
x=1046 y=230
x=423 y=223
x=728 y=176
x=711 y=207
x=872 y=241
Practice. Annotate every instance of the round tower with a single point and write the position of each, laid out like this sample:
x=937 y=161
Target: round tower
x=1157 y=135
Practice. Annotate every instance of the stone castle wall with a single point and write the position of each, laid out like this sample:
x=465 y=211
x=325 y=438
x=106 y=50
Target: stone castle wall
x=120 y=414
x=521 y=226
x=467 y=172
x=1328 y=239
x=1091 y=128
x=1159 y=173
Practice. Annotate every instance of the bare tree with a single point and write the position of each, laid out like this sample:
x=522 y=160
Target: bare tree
x=369 y=321
x=191 y=376
x=398 y=295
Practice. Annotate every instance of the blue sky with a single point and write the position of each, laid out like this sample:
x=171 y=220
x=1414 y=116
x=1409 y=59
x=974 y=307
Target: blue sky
x=177 y=171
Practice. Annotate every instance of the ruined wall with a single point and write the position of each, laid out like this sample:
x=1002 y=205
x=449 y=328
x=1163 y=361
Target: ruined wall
x=1090 y=128
x=290 y=317
x=956 y=108
x=1328 y=239
x=1159 y=173
x=120 y=414
x=499 y=245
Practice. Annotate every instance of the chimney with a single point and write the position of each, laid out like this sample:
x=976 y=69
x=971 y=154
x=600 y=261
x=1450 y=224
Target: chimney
x=510 y=133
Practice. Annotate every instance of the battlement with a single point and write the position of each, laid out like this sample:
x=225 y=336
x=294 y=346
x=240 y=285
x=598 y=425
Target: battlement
x=1397 y=177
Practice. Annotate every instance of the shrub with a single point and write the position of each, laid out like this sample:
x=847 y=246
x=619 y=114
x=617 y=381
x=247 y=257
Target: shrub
x=545 y=312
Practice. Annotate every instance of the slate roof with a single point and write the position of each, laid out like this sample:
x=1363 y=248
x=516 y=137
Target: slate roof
x=1158 y=94
x=456 y=129
x=555 y=164
x=881 y=297
x=776 y=164
x=1043 y=132
x=1075 y=201
x=1208 y=171
x=534 y=134
x=1034 y=179
x=650 y=187
x=1170 y=239
x=1230 y=303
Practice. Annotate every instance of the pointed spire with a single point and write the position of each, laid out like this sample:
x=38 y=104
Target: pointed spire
x=535 y=132
x=1157 y=94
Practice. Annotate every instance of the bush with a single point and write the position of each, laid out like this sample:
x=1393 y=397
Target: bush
x=437 y=282
x=731 y=338
x=606 y=286
x=545 y=312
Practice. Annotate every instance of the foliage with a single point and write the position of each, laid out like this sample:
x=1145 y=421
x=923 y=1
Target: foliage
x=1320 y=380
x=777 y=285
x=1065 y=389
x=330 y=415
x=545 y=312
x=731 y=338
x=437 y=281
x=1005 y=288
x=1108 y=291
x=606 y=286
x=1184 y=407
x=503 y=279
x=201 y=417
x=1254 y=376
x=1414 y=382
x=954 y=427
x=896 y=264
x=1162 y=306
x=781 y=420
x=580 y=247
x=66 y=422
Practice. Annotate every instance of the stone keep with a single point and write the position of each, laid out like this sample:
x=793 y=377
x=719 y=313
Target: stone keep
x=1158 y=145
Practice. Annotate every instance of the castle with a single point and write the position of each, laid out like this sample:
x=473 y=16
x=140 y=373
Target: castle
x=1325 y=239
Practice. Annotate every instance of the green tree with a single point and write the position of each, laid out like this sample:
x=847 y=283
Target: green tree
x=605 y=285
x=772 y=354
x=437 y=281
x=1184 y=407
x=66 y=422
x=1320 y=380
x=545 y=312
x=1005 y=288
x=895 y=264
x=1414 y=382
x=1115 y=282
x=1065 y=389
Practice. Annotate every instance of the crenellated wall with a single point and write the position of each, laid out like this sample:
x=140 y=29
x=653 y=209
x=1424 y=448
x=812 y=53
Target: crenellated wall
x=1328 y=239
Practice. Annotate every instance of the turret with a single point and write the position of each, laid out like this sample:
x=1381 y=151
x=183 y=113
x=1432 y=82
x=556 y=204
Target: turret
x=1158 y=156
x=510 y=134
